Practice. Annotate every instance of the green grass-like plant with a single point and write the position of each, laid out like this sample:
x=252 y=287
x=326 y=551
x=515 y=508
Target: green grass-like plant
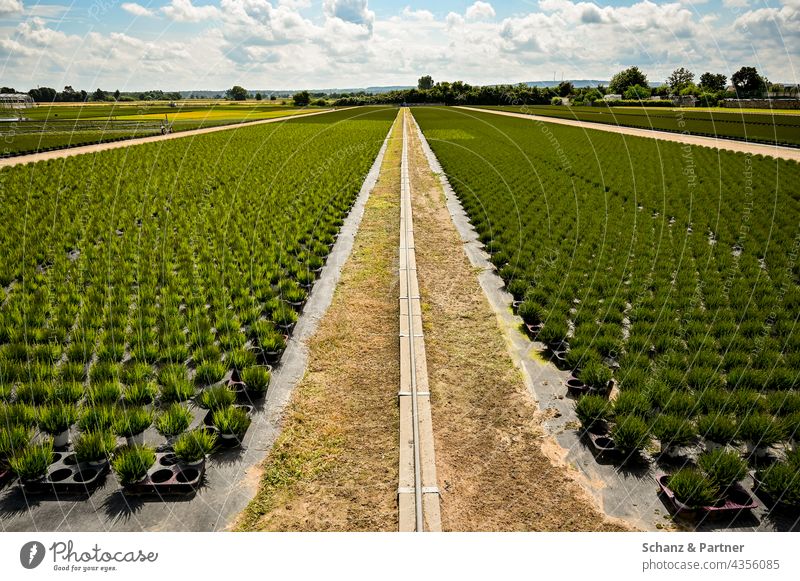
x=761 y=429
x=105 y=393
x=97 y=418
x=231 y=420
x=630 y=434
x=592 y=410
x=782 y=481
x=256 y=378
x=719 y=429
x=36 y=393
x=32 y=461
x=56 y=417
x=216 y=397
x=173 y=420
x=674 y=430
x=131 y=463
x=132 y=421
x=139 y=394
x=194 y=445
x=595 y=374
x=724 y=468
x=94 y=446
x=12 y=440
x=693 y=488
x=209 y=372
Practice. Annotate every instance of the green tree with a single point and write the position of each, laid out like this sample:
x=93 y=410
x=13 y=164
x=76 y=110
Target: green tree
x=679 y=79
x=116 y=95
x=272 y=97
x=713 y=82
x=637 y=93
x=565 y=89
x=748 y=82
x=6 y=90
x=43 y=94
x=627 y=78
x=99 y=95
x=236 y=93
x=425 y=82
x=258 y=97
x=301 y=99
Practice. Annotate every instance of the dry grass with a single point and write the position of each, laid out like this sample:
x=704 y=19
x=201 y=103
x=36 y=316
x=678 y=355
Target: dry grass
x=334 y=466
x=495 y=466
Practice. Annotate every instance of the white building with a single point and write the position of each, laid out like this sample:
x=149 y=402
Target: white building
x=16 y=101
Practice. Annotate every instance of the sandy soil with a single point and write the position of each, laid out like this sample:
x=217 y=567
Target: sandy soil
x=497 y=470
x=726 y=144
x=335 y=465
x=70 y=151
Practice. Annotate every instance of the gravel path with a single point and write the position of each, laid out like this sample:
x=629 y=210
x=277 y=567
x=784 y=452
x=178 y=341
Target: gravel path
x=70 y=151
x=727 y=144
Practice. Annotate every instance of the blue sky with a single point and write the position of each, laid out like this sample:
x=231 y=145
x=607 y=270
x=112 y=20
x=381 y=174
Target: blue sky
x=212 y=44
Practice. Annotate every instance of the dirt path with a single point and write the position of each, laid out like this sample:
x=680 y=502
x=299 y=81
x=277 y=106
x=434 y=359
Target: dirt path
x=491 y=452
x=70 y=151
x=335 y=465
x=726 y=144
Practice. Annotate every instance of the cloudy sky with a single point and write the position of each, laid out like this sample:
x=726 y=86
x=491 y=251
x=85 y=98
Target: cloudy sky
x=288 y=44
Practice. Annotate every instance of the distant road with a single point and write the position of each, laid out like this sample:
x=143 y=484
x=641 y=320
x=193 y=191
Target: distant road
x=70 y=151
x=726 y=144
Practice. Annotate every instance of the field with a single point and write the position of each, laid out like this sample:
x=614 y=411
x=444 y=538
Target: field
x=134 y=290
x=663 y=272
x=760 y=127
x=57 y=126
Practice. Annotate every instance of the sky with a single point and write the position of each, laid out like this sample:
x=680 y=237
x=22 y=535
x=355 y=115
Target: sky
x=306 y=44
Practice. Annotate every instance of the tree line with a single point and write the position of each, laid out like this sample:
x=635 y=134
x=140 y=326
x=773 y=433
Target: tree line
x=70 y=95
x=631 y=84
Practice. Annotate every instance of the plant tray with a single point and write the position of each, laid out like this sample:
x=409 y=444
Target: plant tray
x=576 y=387
x=603 y=446
x=738 y=500
x=169 y=476
x=534 y=330
x=67 y=476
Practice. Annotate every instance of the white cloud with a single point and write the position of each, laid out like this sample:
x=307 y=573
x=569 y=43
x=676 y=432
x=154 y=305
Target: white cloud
x=480 y=11
x=285 y=44
x=136 y=9
x=736 y=3
x=185 y=11
x=8 y=7
x=354 y=11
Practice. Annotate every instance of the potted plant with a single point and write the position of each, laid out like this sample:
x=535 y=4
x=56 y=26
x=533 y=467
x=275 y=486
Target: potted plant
x=55 y=419
x=13 y=439
x=257 y=380
x=174 y=420
x=139 y=394
x=781 y=484
x=232 y=422
x=595 y=375
x=209 y=372
x=131 y=424
x=630 y=434
x=593 y=411
x=692 y=488
x=193 y=447
x=31 y=463
x=131 y=463
x=240 y=359
x=673 y=433
x=216 y=397
x=94 y=447
x=724 y=468
x=717 y=430
x=760 y=431
x=97 y=418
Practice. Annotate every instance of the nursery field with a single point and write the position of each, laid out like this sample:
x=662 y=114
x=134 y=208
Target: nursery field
x=763 y=127
x=662 y=273
x=53 y=127
x=147 y=290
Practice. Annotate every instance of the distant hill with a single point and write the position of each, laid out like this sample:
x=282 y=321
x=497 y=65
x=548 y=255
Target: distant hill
x=578 y=83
